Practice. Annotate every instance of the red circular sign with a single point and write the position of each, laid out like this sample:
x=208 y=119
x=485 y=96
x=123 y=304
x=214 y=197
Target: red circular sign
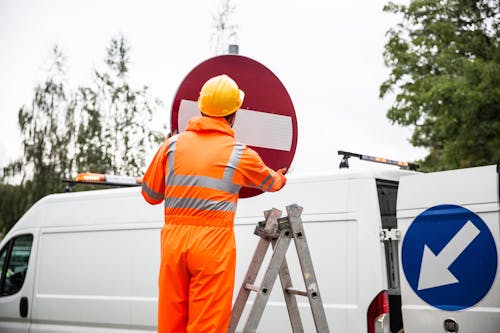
x=266 y=121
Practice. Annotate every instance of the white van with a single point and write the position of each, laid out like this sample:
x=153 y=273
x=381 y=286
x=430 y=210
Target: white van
x=88 y=261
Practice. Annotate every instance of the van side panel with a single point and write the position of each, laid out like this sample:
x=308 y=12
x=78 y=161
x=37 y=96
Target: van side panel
x=90 y=279
x=341 y=220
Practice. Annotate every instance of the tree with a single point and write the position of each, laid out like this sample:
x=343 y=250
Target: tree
x=89 y=153
x=44 y=129
x=445 y=71
x=102 y=128
x=224 y=31
x=12 y=206
x=115 y=133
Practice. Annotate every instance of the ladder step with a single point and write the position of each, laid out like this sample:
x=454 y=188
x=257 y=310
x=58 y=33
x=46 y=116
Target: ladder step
x=252 y=287
x=296 y=292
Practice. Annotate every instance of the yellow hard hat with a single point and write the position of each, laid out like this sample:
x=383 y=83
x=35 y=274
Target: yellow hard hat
x=220 y=97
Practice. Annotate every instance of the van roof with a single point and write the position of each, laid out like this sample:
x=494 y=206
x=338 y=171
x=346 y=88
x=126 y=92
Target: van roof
x=79 y=208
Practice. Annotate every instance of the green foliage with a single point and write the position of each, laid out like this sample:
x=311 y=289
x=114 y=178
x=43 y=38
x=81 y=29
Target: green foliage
x=116 y=118
x=15 y=201
x=43 y=127
x=104 y=128
x=445 y=71
x=89 y=154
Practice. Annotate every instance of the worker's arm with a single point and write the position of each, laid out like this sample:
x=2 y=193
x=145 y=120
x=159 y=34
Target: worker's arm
x=252 y=172
x=153 y=182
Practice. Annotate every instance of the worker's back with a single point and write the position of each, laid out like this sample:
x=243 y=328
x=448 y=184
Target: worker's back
x=199 y=167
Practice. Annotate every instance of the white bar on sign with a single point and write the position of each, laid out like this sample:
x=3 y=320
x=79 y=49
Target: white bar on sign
x=265 y=130
x=187 y=110
x=254 y=128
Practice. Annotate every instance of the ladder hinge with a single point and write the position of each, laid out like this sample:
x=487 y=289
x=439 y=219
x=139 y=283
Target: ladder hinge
x=392 y=234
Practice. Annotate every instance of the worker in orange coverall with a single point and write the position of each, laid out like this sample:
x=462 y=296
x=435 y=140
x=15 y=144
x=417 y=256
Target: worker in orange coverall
x=198 y=174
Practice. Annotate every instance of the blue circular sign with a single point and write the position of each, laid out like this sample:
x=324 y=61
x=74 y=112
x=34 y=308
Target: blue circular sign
x=449 y=257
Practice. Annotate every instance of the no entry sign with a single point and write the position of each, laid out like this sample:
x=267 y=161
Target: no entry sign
x=266 y=121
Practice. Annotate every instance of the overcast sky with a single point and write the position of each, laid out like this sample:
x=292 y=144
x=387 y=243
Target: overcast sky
x=327 y=53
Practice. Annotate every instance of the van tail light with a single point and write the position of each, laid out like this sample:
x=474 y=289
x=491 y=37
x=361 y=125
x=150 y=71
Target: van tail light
x=378 y=308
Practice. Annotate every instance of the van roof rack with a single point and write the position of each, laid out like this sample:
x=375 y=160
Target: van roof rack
x=102 y=179
x=344 y=163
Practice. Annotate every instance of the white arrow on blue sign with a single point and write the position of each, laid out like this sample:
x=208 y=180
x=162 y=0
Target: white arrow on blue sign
x=449 y=257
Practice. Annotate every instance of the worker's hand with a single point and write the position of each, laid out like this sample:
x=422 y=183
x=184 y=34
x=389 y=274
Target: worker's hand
x=282 y=171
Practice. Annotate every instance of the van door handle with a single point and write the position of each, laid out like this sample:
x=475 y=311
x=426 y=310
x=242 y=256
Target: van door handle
x=23 y=307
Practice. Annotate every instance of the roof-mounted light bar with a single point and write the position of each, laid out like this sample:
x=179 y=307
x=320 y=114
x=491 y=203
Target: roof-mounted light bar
x=102 y=179
x=344 y=163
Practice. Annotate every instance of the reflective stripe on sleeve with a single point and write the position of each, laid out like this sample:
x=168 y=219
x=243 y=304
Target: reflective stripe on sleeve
x=261 y=186
x=201 y=204
x=270 y=185
x=151 y=193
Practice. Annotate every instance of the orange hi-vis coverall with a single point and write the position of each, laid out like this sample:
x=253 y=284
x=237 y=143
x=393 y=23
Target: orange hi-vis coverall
x=198 y=174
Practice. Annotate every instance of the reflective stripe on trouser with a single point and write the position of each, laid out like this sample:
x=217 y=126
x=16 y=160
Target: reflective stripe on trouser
x=196 y=278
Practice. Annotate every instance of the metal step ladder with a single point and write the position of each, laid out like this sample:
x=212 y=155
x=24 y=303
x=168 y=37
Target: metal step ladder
x=279 y=231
